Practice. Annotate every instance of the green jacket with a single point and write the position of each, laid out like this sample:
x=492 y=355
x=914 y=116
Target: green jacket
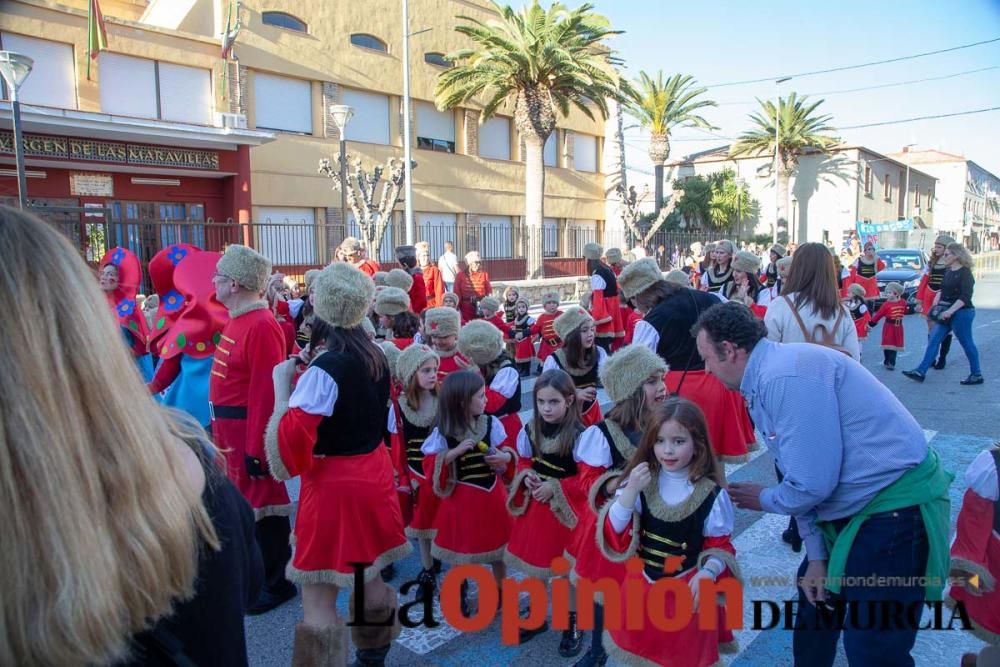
x=926 y=486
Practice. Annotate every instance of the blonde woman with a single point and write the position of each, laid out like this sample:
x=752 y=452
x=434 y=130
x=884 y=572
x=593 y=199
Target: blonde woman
x=108 y=505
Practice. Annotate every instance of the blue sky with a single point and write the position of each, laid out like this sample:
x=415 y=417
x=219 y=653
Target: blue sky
x=727 y=41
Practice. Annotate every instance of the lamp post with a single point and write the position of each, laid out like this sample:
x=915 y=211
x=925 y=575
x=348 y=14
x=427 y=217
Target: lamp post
x=15 y=67
x=777 y=139
x=341 y=116
x=906 y=189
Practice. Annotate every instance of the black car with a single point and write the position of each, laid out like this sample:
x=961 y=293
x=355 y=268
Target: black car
x=904 y=266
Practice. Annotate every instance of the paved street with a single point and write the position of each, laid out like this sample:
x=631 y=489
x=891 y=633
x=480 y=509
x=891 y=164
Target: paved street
x=959 y=421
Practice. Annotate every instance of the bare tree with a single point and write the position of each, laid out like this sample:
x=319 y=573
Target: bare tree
x=631 y=202
x=373 y=215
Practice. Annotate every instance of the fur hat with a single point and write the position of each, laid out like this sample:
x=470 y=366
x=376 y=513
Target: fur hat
x=343 y=295
x=410 y=360
x=392 y=354
x=350 y=246
x=627 y=369
x=778 y=250
x=944 y=240
x=489 y=303
x=856 y=290
x=422 y=246
x=895 y=288
x=593 y=251
x=403 y=251
x=510 y=288
x=380 y=278
x=571 y=320
x=311 y=276
x=614 y=255
x=392 y=301
x=246 y=266
x=783 y=266
x=710 y=247
x=521 y=300
x=679 y=277
x=726 y=246
x=480 y=342
x=451 y=295
x=369 y=328
x=399 y=278
x=441 y=322
x=639 y=276
x=747 y=262
x=696 y=248
x=551 y=296
x=472 y=256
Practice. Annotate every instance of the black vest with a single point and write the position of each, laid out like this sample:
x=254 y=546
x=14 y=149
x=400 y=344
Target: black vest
x=771 y=274
x=551 y=465
x=936 y=276
x=717 y=282
x=513 y=404
x=617 y=460
x=509 y=311
x=357 y=425
x=588 y=379
x=856 y=313
x=610 y=281
x=672 y=319
x=471 y=467
x=659 y=538
x=867 y=270
x=413 y=439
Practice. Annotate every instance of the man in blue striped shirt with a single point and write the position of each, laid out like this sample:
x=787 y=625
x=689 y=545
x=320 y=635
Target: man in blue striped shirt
x=841 y=439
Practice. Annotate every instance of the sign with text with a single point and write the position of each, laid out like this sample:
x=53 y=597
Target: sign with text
x=89 y=184
x=872 y=228
x=39 y=145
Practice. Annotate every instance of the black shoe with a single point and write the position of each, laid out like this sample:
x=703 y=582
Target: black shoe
x=972 y=379
x=371 y=657
x=889 y=367
x=426 y=585
x=915 y=375
x=572 y=639
x=272 y=599
x=388 y=572
x=939 y=364
x=791 y=537
x=592 y=659
x=436 y=567
x=527 y=635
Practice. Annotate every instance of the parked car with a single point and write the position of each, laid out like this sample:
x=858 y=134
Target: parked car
x=904 y=266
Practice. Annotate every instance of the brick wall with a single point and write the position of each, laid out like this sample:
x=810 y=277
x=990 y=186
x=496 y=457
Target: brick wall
x=331 y=95
x=471 y=132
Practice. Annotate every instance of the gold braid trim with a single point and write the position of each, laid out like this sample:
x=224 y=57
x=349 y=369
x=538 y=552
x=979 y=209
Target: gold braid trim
x=560 y=505
x=271 y=451
x=605 y=548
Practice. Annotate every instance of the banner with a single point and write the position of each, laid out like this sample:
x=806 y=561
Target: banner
x=874 y=228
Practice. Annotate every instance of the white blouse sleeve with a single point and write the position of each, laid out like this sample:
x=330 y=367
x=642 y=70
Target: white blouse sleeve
x=497 y=434
x=644 y=334
x=523 y=444
x=592 y=449
x=602 y=356
x=620 y=516
x=434 y=444
x=721 y=518
x=550 y=364
x=506 y=381
x=315 y=394
x=391 y=425
x=981 y=476
x=597 y=283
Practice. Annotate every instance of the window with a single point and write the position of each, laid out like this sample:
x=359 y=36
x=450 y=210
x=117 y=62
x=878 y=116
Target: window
x=916 y=196
x=287 y=235
x=151 y=89
x=887 y=188
x=52 y=82
x=370 y=122
x=868 y=180
x=369 y=42
x=437 y=59
x=549 y=150
x=494 y=138
x=495 y=237
x=283 y=20
x=550 y=237
x=584 y=152
x=281 y=103
x=435 y=129
x=930 y=198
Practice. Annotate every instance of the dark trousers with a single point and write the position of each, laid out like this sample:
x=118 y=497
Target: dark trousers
x=889 y=357
x=890 y=544
x=272 y=537
x=792 y=523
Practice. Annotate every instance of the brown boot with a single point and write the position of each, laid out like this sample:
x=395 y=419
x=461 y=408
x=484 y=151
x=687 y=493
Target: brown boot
x=377 y=608
x=320 y=647
x=969 y=660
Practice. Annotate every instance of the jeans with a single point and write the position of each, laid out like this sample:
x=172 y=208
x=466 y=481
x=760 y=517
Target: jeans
x=449 y=287
x=889 y=544
x=961 y=324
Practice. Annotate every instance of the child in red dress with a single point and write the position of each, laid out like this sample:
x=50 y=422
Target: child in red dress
x=893 y=310
x=520 y=332
x=490 y=308
x=544 y=327
x=855 y=303
x=441 y=329
x=481 y=342
x=581 y=358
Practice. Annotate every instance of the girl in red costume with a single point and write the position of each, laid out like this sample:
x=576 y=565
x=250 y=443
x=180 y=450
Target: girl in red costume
x=119 y=275
x=392 y=305
x=544 y=327
x=482 y=343
x=441 y=328
x=520 y=332
x=329 y=431
x=468 y=470
x=893 y=311
x=855 y=303
x=546 y=493
x=671 y=509
x=581 y=358
x=864 y=269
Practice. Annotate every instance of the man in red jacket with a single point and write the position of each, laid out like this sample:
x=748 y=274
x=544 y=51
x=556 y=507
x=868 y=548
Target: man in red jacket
x=241 y=399
x=406 y=255
x=432 y=275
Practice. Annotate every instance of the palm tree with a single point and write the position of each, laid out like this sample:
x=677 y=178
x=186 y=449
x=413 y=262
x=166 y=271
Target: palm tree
x=660 y=106
x=802 y=131
x=540 y=62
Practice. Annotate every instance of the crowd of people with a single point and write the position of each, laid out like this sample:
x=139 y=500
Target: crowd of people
x=148 y=519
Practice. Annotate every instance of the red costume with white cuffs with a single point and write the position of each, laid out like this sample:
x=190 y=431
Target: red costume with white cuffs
x=503 y=399
x=975 y=552
x=672 y=517
x=605 y=305
x=333 y=440
x=241 y=393
x=548 y=338
x=409 y=430
x=892 y=330
x=472 y=521
x=590 y=411
x=449 y=363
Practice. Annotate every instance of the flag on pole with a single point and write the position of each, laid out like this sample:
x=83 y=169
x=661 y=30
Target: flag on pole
x=97 y=34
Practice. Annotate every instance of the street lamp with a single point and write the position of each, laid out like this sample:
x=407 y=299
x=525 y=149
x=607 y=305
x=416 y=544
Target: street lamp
x=15 y=67
x=777 y=139
x=906 y=189
x=341 y=114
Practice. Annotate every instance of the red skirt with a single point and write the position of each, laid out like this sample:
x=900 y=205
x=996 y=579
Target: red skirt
x=870 y=285
x=524 y=350
x=266 y=495
x=472 y=524
x=336 y=491
x=545 y=349
x=590 y=563
x=892 y=336
x=425 y=508
x=536 y=537
x=728 y=421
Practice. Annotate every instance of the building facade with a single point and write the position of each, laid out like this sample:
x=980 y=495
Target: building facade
x=828 y=194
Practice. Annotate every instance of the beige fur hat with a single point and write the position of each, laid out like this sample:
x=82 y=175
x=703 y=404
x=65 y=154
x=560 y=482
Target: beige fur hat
x=572 y=319
x=895 y=288
x=856 y=290
x=392 y=354
x=551 y=296
x=696 y=248
x=350 y=246
x=480 y=342
x=593 y=251
x=343 y=295
x=489 y=303
x=311 y=276
x=246 y=266
x=726 y=246
x=451 y=295
x=627 y=369
x=441 y=322
x=614 y=255
x=380 y=278
x=392 y=301
x=710 y=247
x=747 y=262
x=944 y=240
x=472 y=256
x=778 y=250
x=679 y=277
x=369 y=328
x=422 y=246
x=639 y=276
x=783 y=265
x=411 y=359
x=399 y=278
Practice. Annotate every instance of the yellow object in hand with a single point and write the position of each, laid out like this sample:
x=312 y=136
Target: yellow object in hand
x=483 y=447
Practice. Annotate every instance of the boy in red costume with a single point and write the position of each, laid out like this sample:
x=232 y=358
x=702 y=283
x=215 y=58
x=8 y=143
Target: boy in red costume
x=544 y=328
x=441 y=329
x=893 y=310
x=604 y=303
x=433 y=282
x=406 y=255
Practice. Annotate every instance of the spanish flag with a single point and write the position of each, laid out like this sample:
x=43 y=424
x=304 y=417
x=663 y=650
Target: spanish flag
x=97 y=34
